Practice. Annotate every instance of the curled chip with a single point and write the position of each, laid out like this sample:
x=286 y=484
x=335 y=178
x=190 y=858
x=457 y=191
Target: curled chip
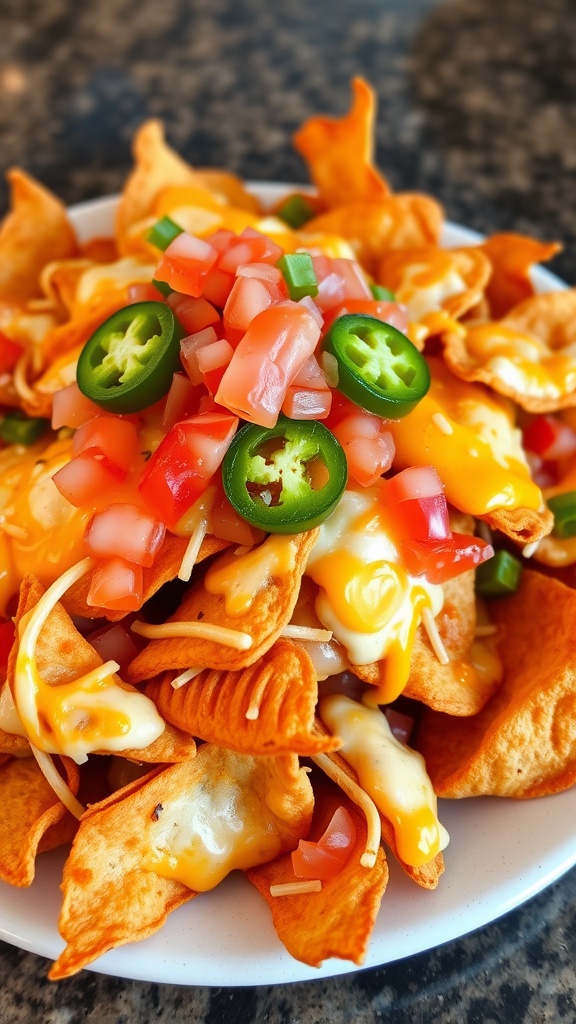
x=339 y=152
x=33 y=819
x=35 y=231
x=523 y=742
x=527 y=356
x=152 y=845
x=267 y=708
x=512 y=257
x=268 y=598
x=429 y=279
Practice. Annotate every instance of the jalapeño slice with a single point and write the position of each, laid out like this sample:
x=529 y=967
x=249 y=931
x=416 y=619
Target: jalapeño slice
x=378 y=367
x=129 y=361
x=287 y=478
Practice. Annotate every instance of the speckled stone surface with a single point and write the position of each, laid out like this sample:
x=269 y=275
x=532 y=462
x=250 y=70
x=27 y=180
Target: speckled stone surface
x=478 y=107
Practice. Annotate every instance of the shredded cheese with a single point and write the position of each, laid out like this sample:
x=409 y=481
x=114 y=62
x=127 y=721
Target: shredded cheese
x=55 y=780
x=429 y=623
x=12 y=530
x=362 y=800
x=443 y=424
x=256 y=700
x=201 y=630
x=293 y=632
x=330 y=368
x=489 y=629
x=21 y=386
x=530 y=549
x=296 y=888
x=197 y=521
x=185 y=677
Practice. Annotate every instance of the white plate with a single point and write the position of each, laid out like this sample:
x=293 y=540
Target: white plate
x=501 y=853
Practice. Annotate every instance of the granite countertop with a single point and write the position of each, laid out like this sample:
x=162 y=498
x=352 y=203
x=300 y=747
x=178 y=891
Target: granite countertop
x=477 y=107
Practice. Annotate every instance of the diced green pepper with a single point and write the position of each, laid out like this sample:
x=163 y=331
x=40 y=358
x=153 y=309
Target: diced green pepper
x=299 y=274
x=18 y=428
x=382 y=294
x=499 y=576
x=564 y=508
x=164 y=231
x=295 y=211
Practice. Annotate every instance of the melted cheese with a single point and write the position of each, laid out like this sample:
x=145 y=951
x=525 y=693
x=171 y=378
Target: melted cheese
x=481 y=463
x=239 y=578
x=425 y=286
x=370 y=602
x=393 y=775
x=75 y=718
x=225 y=823
x=105 y=277
x=523 y=362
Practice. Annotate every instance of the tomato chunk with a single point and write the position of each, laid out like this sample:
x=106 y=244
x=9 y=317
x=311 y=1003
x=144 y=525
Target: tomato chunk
x=442 y=560
x=125 y=531
x=116 y=585
x=325 y=858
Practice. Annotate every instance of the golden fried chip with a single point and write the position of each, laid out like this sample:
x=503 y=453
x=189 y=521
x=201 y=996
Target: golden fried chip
x=267 y=708
x=126 y=871
x=523 y=743
x=339 y=152
x=512 y=256
x=33 y=819
x=373 y=228
x=35 y=232
x=527 y=356
x=270 y=595
x=428 y=279
x=11 y=743
x=338 y=920
x=63 y=655
x=157 y=166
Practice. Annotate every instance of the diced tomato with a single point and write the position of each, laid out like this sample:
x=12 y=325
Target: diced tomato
x=221 y=239
x=367 y=443
x=217 y=286
x=311 y=306
x=86 y=477
x=185 y=264
x=70 y=408
x=442 y=560
x=7 y=635
x=115 y=643
x=249 y=296
x=212 y=362
x=355 y=283
x=339 y=281
x=274 y=348
x=125 y=531
x=416 y=504
x=414 y=482
x=326 y=858
x=117 y=585
x=226 y=524
x=268 y=274
x=188 y=349
x=180 y=469
x=10 y=352
x=193 y=313
x=388 y=312
x=182 y=401
x=111 y=436
x=248 y=247
x=308 y=396
x=549 y=438
x=142 y=291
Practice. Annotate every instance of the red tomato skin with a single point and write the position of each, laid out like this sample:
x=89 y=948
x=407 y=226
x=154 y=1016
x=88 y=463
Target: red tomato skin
x=70 y=408
x=110 y=436
x=125 y=531
x=86 y=477
x=10 y=352
x=389 y=312
x=325 y=858
x=117 y=585
x=440 y=561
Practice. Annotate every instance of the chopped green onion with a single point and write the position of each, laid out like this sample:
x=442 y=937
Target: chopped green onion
x=564 y=508
x=381 y=293
x=295 y=211
x=499 y=576
x=298 y=272
x=18 y=428
x=164 y=231
x=162 y=287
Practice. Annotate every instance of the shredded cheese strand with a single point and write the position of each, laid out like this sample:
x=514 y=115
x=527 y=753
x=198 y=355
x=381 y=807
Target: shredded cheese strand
x=256 y=700
x=12 y=530
x=56 y=782
x=429 y=623
x=200 y=630
x=21 y=386
x=362 y=800
x=320 y=636
x=296 y=888
x=488 y=629
x=197 y=520
x=185 y=677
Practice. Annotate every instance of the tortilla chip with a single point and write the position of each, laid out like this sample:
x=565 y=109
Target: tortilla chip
x=264 y=621
x=339 y=152
x=373 y=228
x=36 y=823
x=113 y=895
x=267 y=708
x=512 y=256
x=62 y=655
x=523 y=743
x=338 y=920
x=165 y=568
x=35 y=232
x=157 y=166
x=457 y=277
x=228 y=188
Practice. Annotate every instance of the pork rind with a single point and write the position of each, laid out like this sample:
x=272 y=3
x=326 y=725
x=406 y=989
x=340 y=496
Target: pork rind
x=529 y=355
x=523 y=743
x=512 y=257
x=373 y=228
x=267 y=708
x=339 y=152
x=113 y=895
x=270 y=610
x=35 y=231
x=33 y=819
x=62 y=655
x=429 y=279
x=338 y=920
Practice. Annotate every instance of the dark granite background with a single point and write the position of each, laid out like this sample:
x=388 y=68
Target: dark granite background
x=478 y=107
